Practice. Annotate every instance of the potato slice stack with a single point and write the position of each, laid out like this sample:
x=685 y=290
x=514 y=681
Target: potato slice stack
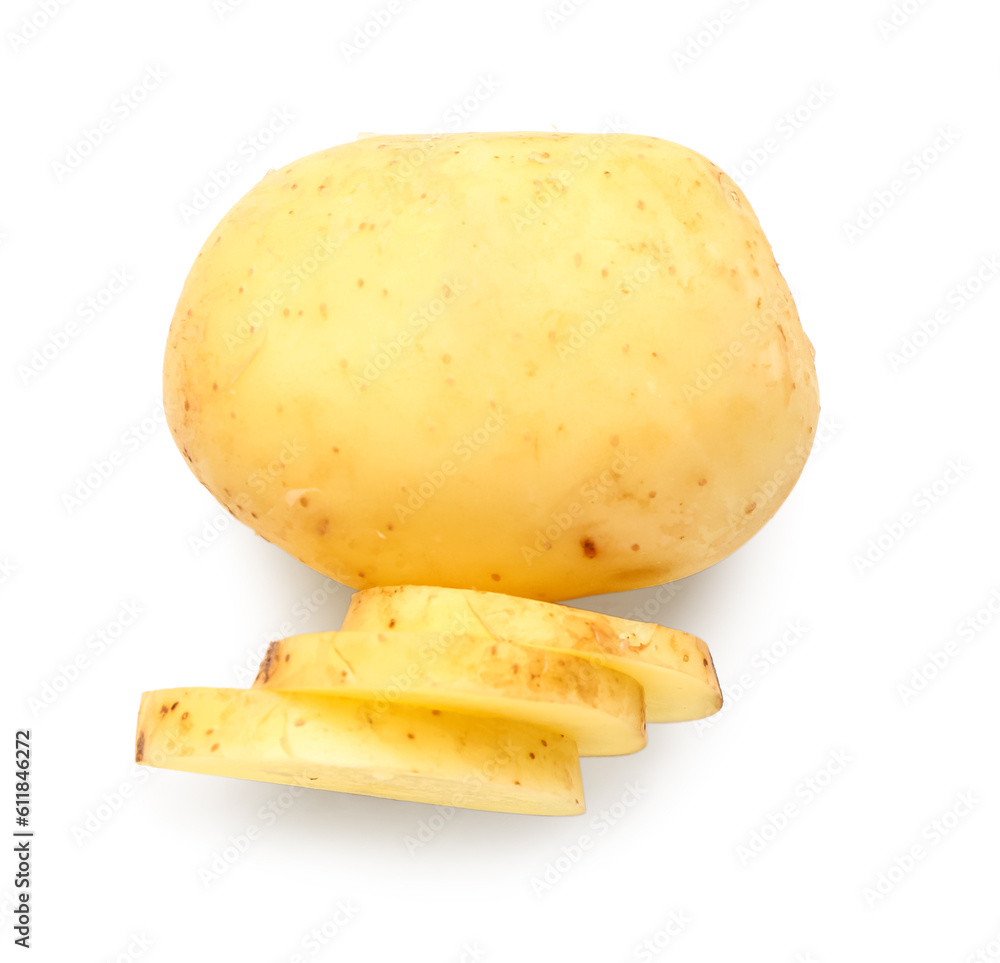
x=444 y=696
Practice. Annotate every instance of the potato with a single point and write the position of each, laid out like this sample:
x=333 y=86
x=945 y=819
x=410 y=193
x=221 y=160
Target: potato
x=675 y=669
x=546 y=364
x=398 y=752
x=600 y=709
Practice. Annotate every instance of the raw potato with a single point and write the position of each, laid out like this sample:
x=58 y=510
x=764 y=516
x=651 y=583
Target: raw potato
x=600 y=709
x=674 y=669
x=546 y=364
x=399 y=752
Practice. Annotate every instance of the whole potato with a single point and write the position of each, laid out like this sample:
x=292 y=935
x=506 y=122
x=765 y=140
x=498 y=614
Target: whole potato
x=535 y=363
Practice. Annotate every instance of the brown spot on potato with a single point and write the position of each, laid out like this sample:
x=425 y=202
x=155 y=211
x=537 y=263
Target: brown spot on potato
x=702 y=481
x=304 y=502
x=589 y=548
x=652 y=494
x=446 y=358
x=299 y=722
x=187 y=405
x=410 y=735
x=392 y=623
x=641 y=205
x=164 y=710
x=495 y=576
x=264 y=673
x=749 y=509
x=361 y=282
x=704 y=661
x=686 y=658
x=322 y=526
x=635 y=548
x=215 y=746
x=544 y=743
x=435 y=712
x=174 y=706
x=531 y=755
x=184 y=715
x=140 y=746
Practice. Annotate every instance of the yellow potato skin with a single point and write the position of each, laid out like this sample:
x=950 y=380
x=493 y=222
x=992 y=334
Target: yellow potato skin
x=548 y=365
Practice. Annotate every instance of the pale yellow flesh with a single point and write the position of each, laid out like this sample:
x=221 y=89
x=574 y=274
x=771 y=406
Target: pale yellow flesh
x=396 y=752
x=546 y=364
x=675 y=669
x=597 y=707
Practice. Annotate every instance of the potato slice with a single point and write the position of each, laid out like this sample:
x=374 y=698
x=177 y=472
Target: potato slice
x=600 y=709
x=397 y=752
x=675 y=669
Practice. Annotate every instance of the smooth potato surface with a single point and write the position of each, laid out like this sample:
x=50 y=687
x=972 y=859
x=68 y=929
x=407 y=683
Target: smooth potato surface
x=348 y=745
x=549 y=365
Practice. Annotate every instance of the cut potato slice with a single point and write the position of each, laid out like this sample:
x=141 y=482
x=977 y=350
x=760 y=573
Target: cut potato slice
x=600 y=709
x=675 y=669
x=397 y=752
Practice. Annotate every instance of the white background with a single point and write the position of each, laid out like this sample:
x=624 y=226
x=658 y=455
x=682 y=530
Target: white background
x=136 y=882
